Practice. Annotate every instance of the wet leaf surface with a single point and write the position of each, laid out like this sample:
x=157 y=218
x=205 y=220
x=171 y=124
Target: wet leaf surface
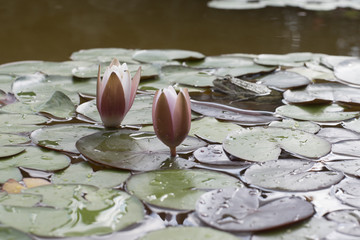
x=290 y=175
x=348 y=192
x=348 y=71
x=335 y=135
x=284 y=80
x=347 y=220
x=348 y=148
x=240 y=210
x=126 y=149
x=348 y=166
x=245 y=143
x=8 y=233
x=150 y=56
x=177 y=189
x=298 y=125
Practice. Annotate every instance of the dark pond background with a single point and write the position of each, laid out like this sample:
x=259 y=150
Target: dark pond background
x=53 y=29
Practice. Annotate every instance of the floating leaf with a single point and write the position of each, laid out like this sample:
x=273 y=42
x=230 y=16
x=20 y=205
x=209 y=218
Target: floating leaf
x=290 y=175
x=349 y=148
x=18 y=123
x=353 y=125
x=239 y=5
x=348 y=71
x=317 y=113
x=290 y=123
x=238 y=209
x=244 y=70
x=12 y=186
x=19 y=199
x=184 y=233
x=138 y=151
x=324 y=93
x=332 y=61
x=347 y=191
x=347 y=221
x=150 y=56
x=263 y=144
x=214 y=154
x=104 y=55
x=348 y=166
x=333 y=134
x=63 y=137
x=35 y=182
x=8 y=233
x=212 y=130
x=289 y=60
x=82 y=173
x=7 y=173
x=80 y=210
x=222 y=61
x=58 y=105
x=5 y=82
x=177 y=189
x=243 y=117
x=284 y=80
x=314 y=72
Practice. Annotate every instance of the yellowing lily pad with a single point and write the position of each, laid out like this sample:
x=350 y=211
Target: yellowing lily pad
x=177 y=189
x=263 y=144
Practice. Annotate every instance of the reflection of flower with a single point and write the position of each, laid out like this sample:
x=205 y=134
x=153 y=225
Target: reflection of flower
x=116 y=93
x=171 y=115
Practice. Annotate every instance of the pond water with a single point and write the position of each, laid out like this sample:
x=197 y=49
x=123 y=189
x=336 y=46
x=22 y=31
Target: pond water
x=52 y=30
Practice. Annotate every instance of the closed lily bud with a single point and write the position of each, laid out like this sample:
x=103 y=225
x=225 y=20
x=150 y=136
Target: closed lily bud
x=116 y=93
x=171 y=115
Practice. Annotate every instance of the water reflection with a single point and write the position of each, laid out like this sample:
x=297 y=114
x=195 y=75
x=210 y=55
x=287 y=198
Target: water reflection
x=51 y=30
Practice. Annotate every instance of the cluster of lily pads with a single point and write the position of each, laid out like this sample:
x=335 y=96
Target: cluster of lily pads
x=272 y=151
x=314 y=5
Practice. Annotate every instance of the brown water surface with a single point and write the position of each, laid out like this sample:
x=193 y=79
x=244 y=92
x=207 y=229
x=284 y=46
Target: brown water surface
x=53 y=29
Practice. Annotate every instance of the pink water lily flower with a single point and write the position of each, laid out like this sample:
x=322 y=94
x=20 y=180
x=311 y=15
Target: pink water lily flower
x=116 y=93
x=171 y=115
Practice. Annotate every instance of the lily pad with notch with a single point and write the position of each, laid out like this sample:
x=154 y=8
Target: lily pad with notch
x=133 y=150
x=291 y=175
x=177 y=189
x=317 y=113
x=223 y=112
x=58 y=105
x=260 y=144
x=239 y=210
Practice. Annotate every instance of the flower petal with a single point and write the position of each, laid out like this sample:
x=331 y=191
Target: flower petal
x=182 y=117
x=134 y=85
x=112 y=103
x=171 y=96
x=163 y=125
x=98 y=90
x=115 y=62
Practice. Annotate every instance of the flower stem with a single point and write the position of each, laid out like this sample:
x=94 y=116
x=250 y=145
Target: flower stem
x=173 y=151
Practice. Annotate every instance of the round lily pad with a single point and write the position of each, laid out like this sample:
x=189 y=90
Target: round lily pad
x=289 y=60
x=222 y=61
x=290 y=175
x=243 y=70
x=74 y=210
x=62 y=137
x=348 y=166
x=8 y=233
x=10 y=172
x=265 y=143
x=222 y=112
x=317 y=113
x=212 y=130
x=299 y=125
x=348 y=192
x=284 y=80
x=139 y=151
x=184 y=233
x=239 y=209
x=58 y=105
x=103 y=55
x=177 y=189
x=82 y=173
x=349 y=148
x=348 y=71
x=150 y=56
x=334 y=135
x=19 y=199
x=353 y=125
x=332 y=61
x=140 y=112
x=347 y=221
x=20 y=123
x=214 y=154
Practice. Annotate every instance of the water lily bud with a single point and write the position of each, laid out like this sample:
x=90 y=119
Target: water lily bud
x=116 y=93
x=171 y=115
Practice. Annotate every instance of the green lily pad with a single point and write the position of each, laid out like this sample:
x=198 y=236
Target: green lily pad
x=324 y=93
x=243 y=70
x=289 y=60
x=317 y=113
x=58 y=105
x=347 y=221
x=223 y=112
x=150 y=56
x=353 y=125
x=140 y=112
x=238 y=5
x=317 y=228
x=19 y=123
x=9 y=142
x=80 y=210
x=332 y=61
x=132 y=150
x=177 y=189
x=348 y=71
x=104 y=55
x=348 y=166
x=62 y=137
x=214 y=154
x=299 y=125
x=263 y=144
x=49 y=68
x=9 y=172
x=5 y=82
x=212 y=130
x=8 y=233
x=284 y=80
x=243 y=211
x=348 y=148
x=184 y=233
x=334 y=134
x=290 y=175
x=37 y=158
x=82 y=173
x=19 y=199
x=314 y=72
x=347 y=191
x=222 y=61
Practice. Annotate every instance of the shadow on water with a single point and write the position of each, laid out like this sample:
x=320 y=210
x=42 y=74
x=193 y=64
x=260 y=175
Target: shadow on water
x=52 y=30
